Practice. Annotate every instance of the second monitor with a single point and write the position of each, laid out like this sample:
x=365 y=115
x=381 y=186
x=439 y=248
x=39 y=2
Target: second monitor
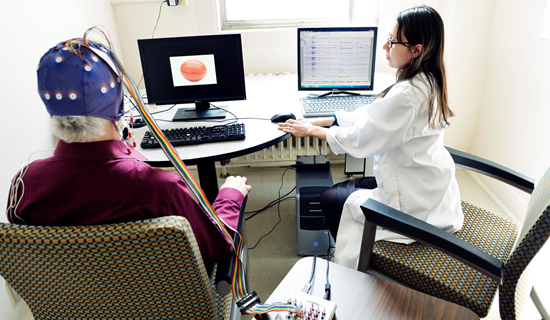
x=198 y=69
x=336 y=58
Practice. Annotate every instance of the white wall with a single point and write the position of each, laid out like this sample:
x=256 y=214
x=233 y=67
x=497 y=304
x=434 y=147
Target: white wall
x=29 y=29
x=512 y=126
x=468 y=26
x=513 y=116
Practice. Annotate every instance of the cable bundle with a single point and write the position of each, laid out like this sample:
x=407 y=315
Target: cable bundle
x=239 y=285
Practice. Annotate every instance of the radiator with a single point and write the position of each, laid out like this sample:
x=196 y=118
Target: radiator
x=285 y=152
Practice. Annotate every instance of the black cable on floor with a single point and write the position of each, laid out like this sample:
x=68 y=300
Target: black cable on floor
x=269 y=205
x=278 y=212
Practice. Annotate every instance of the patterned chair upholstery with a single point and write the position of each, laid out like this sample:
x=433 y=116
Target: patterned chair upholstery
x=150 y=269
x=462 y=268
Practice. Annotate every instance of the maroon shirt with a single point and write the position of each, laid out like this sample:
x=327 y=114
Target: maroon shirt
x=104 y=183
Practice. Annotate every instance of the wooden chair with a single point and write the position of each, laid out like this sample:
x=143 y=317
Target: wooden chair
x=467 y=267
x=150 y=269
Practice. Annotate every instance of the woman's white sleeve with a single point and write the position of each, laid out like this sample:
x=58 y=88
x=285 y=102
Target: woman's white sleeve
x=377 y=128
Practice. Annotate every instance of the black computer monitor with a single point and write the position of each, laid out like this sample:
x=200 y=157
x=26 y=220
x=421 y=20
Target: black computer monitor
x=336 y=59
x=198 y=69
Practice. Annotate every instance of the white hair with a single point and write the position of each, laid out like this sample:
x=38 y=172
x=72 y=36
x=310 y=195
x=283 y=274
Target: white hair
x=80 y=128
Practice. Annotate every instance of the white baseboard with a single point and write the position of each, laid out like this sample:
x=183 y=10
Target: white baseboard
x=509 y=199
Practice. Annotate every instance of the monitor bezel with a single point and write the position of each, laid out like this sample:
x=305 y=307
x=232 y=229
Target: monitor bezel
x=152 y=95
x=365 y=88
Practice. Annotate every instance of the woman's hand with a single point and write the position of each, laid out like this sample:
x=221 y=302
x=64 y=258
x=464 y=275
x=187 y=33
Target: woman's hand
x=298 y=127
x=307 y=127
x=238 y=183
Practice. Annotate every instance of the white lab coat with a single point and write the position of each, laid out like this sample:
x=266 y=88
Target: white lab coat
x=413 y=170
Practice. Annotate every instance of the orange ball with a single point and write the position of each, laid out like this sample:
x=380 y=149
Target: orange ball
x=193 y=70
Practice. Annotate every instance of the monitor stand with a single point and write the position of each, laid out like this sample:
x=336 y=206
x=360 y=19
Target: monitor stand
x=331 y=93
x=202 y=111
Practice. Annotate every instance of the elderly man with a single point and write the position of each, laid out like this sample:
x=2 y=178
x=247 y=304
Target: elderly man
x=94 y=177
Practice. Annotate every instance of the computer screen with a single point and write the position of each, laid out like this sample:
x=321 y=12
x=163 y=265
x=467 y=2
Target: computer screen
x=336 y=58
x=197 y=69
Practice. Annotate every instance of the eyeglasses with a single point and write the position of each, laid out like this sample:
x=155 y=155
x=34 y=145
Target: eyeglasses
x=391 y=42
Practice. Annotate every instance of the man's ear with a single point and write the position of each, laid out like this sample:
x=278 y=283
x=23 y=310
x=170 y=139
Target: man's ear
x=417 y=50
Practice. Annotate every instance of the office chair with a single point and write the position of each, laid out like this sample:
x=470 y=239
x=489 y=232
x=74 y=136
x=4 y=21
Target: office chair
x=467 y=267
x=150 y=269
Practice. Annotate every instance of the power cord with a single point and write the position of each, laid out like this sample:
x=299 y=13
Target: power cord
x=230 y=121
x=158 y=18
x=278 y=212
x=307 y=286
x=236 y=119
x=327 y=285
x=271 y=204
x=330 y=254
x=155 y=29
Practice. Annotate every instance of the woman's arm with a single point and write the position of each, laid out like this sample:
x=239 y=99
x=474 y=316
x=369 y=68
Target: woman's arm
x=322 y=122
x=308 y=127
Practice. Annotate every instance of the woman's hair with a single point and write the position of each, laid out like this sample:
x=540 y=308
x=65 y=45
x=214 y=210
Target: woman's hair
x=80 y=128
x=423 y=25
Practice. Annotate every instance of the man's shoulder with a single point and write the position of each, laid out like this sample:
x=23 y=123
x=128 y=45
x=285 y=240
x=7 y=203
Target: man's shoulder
x=132 y=170
x=38 y=165
x=146 y=171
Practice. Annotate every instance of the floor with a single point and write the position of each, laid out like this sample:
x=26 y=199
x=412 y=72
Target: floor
x=275 y=254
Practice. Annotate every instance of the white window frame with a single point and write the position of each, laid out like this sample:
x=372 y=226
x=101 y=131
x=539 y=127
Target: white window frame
x=282 y=23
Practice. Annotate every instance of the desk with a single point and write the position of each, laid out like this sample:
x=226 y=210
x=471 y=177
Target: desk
x=362 y=296
x=266 y=96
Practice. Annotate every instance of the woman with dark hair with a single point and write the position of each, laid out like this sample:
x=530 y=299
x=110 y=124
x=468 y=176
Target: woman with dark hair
x=403 y=129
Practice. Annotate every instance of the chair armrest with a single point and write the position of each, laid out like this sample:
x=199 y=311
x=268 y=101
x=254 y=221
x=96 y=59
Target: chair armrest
x=492 y=169
x=226 y=267
x=379 y=214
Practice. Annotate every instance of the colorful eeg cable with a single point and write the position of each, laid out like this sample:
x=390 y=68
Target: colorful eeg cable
x=238 y=277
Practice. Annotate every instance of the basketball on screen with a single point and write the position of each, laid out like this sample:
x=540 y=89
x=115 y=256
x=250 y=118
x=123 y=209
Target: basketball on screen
x=193 y=70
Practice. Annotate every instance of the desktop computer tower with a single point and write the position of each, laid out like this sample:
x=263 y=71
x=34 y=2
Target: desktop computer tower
x=313 y=176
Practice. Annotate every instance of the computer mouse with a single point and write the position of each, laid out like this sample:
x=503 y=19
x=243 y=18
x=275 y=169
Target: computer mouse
x=282 y=117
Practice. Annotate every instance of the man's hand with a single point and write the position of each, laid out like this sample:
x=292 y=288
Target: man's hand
x=238 y=183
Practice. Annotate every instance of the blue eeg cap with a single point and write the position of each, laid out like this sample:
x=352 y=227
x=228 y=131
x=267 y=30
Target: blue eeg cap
x=85 y=85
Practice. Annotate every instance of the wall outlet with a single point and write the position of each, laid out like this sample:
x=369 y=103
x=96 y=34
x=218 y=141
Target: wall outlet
x=177 y=3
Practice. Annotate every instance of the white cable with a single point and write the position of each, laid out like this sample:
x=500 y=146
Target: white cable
x=14 y=198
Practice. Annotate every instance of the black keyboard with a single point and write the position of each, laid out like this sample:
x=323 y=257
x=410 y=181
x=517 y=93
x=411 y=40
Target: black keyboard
x=326 y=106
x=196 y=135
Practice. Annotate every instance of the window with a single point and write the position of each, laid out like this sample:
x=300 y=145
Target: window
x=253 y=14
